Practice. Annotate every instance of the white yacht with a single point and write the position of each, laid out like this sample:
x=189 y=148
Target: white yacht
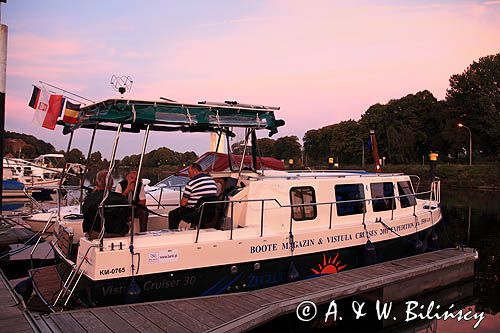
x=268 y=227
x=44 y=170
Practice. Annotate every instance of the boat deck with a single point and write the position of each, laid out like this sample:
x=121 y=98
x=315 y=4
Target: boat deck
x=243 y=311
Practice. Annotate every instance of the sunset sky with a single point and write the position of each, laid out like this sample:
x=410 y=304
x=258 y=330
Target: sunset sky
x=320 y=61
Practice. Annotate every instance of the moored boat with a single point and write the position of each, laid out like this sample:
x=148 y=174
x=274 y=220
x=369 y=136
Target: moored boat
x=268 y=227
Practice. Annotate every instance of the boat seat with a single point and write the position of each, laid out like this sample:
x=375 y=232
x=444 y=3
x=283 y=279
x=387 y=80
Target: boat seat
x=210 y=213
x=64 y=240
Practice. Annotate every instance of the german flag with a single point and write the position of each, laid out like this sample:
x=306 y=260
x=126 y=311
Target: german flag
x=71 y=113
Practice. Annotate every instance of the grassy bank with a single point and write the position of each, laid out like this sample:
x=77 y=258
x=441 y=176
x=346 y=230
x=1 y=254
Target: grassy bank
x=485 y=176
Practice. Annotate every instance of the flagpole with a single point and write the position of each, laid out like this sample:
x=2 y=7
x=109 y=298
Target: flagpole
x=53 y=92
x=3 y=76
x=66 y=91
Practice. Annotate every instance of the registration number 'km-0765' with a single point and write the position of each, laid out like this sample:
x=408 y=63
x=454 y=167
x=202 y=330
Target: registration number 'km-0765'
x=112 y=271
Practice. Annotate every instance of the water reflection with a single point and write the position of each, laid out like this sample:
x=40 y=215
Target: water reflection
x=472 y=218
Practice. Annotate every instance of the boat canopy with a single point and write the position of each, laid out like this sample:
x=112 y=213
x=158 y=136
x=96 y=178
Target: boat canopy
x=212 y=161
x=171 y=116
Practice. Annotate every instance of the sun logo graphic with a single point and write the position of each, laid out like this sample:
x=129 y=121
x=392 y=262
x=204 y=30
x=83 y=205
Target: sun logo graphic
x=329 y=266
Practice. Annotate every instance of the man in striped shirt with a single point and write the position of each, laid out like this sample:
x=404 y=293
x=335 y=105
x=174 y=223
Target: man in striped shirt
x=201 y=185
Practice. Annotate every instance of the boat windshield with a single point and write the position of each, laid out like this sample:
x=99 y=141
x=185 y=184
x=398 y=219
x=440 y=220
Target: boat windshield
x=173 y=181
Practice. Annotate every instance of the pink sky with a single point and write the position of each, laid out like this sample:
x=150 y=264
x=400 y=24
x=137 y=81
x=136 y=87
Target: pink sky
x=321 y=61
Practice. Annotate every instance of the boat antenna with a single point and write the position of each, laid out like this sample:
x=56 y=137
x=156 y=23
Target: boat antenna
x=121 y=83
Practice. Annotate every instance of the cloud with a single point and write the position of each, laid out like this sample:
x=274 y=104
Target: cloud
x=233 y=21
x=491 y=3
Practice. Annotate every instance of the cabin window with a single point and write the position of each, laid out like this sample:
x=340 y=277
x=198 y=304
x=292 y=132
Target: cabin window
x=347 y=192
x=405 y=189
x=303 y=195
x=382 y=190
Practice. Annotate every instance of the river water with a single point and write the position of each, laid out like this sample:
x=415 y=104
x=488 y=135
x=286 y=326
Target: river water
x=472 y=218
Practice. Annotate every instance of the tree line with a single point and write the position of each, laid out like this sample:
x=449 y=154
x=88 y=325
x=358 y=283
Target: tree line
x=164 y=158
x=407 y=129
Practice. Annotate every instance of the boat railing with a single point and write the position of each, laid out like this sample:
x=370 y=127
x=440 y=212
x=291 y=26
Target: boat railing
x=434 y=196
x=417 y=181
x=50 y=222
x=70 y=284
x=326 y=171
x=325 y=174
x=33 y=201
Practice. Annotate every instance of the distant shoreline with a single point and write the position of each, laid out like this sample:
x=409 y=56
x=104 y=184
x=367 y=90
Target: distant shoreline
x=480 y=176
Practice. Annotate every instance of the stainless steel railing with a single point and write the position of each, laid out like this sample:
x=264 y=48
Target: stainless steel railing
x=434 y=196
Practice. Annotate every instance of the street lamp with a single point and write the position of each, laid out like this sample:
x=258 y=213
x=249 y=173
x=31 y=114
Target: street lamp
x=470 y=141
x=362 y=152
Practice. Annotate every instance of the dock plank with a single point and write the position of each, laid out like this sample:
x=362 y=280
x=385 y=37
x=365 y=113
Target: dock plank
x=267 y=294
x=252 y=299
x=260 y=298
x=67 y=323
x=186 y=320
x=135 y=319
x=286 y=292
x=14 y=324
x=235 y=301
x=229 y=303
x=12 y=317
x=90 y=322
x=160 y=319
x=216 y=310
x=113 y=321
x=203 y=315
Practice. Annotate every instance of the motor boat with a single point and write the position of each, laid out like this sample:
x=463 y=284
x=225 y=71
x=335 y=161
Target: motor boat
x=268 y=227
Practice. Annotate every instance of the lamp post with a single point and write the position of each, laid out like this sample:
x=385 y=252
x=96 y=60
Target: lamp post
x=362 y=152
x=470 y=141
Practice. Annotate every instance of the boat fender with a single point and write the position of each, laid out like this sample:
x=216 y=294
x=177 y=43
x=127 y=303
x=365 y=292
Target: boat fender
x=434 y=240
x=369 y=253
x=418 y=246
x=293 y=274
x=425 y=244
x=25 y=289
x=133 y=294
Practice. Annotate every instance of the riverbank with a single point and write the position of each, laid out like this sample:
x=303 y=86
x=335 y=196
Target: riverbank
x=482 y=176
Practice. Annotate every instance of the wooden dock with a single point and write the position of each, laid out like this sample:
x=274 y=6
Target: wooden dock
x=396 y=280
x=13 y=317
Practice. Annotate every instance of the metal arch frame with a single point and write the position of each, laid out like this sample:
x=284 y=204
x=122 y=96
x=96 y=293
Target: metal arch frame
x=87 y=163
x=106 y=188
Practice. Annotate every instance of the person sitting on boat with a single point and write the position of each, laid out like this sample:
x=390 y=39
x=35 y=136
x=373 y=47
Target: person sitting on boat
x=116 y=218
x=201 y=185
x=126 y=188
